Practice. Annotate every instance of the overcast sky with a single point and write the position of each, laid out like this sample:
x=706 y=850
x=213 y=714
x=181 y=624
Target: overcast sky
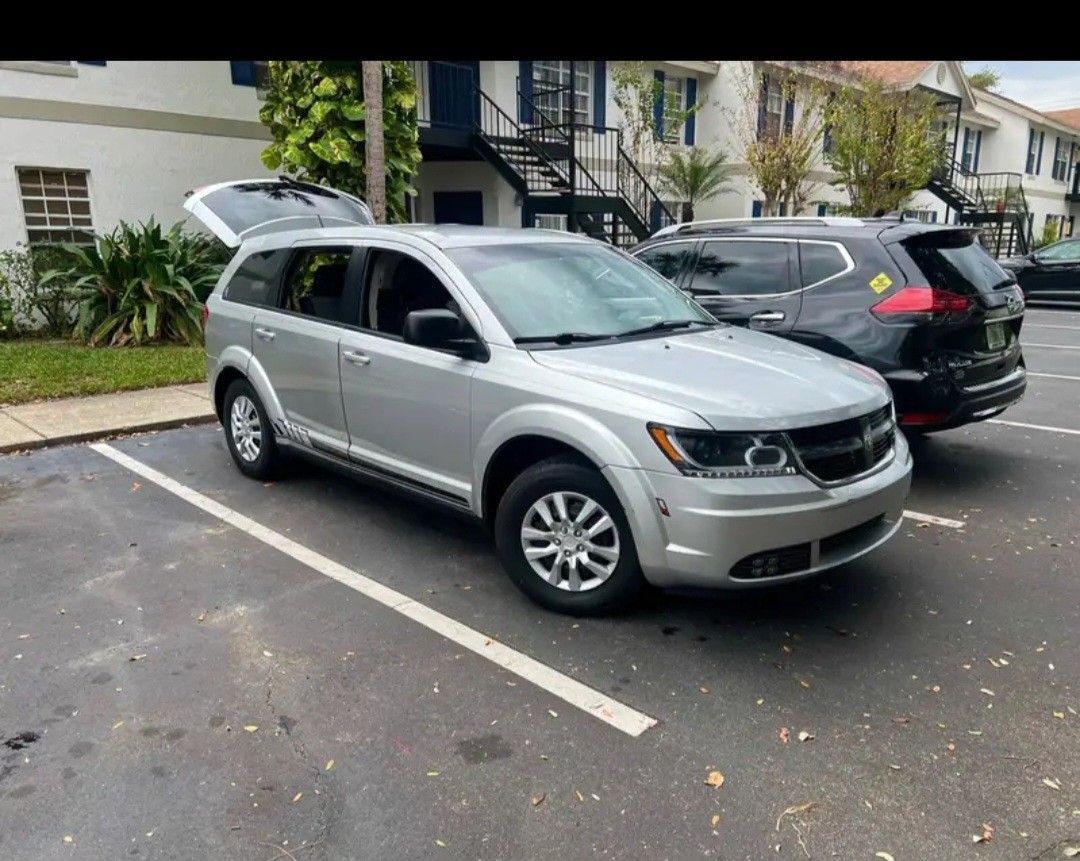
x=1045 y=85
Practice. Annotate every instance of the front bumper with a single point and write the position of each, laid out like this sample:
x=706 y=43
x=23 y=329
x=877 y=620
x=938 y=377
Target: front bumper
x=715 y=523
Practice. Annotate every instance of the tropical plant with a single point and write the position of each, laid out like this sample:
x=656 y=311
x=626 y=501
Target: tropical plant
x=30 y=302
x=884 y=144
x=315 y=111
x=140 y=284
x=1049 y=235
x=985 y=79
x=693 y=176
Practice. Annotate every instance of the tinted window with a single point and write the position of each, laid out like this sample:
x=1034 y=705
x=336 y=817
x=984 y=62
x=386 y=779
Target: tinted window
x=820 y=262
x=1063 y=251
x=956 y=261
x=398 y=285
x=742 y=268
x=316 y=285
x=244 y=205
x=544 y=289
x=668 y=259
x=256 y=281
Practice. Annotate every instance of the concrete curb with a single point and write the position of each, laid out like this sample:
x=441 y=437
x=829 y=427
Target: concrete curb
x=68 y=439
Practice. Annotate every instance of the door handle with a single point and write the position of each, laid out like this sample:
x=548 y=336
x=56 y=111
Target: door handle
x=264 y=334
x=354 y=357
x=768 y=318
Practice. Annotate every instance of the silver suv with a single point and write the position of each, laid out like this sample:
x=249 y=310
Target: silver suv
x=607 y=429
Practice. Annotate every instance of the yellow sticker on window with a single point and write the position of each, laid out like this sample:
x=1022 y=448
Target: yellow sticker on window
x=880 y=283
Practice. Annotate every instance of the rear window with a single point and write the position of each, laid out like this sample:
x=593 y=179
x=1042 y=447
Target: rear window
x=956 y=261
x=256 y=281
x=820 y=261
x=242 y=206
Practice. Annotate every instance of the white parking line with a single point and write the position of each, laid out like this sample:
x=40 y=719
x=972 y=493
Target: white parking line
x=1033 y=427
x=590 y=701
x=1050 y=326
x=1050 y=346
x=1053 y=376
x=934 y=519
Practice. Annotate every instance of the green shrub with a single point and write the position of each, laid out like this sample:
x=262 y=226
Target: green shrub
x=32 y=300
x=140 y=284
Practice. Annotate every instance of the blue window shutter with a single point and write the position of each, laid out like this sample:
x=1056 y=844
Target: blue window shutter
x=789 y=114
x=978 y=147
x=525 y=87
x=755 y=209
x=243 y=72
x=783 y=209
x=1029 y=156
x=965 y=162
x=91 y=62
x=691 y=100
x=933 y=217
x=822 y=210
x=1038 y=162
x=599 y=94
x=654 y=217
x=763 y=105
x=658 y=105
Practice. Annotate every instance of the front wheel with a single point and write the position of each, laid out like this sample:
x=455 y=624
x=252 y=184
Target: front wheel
x=248 y=432
x=565 y=541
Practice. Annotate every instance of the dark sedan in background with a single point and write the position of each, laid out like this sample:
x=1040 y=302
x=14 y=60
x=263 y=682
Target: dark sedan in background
x=1050 y=273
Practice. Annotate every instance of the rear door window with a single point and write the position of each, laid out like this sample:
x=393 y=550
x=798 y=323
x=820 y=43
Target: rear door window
x=740 y=267
x=317 y=285
x=956 y=261
x=669 y=259
x=821 y=261
x=256 y=280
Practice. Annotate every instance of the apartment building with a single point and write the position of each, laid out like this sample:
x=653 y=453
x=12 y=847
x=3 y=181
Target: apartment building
x=85 y=144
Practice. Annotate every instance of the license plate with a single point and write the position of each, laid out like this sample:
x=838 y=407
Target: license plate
x=995 y=336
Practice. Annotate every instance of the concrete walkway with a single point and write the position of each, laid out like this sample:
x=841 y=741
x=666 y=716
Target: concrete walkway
x=76 y=419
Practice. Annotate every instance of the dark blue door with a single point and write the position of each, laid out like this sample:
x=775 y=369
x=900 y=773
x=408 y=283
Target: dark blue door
x=455 y=101
x=459 y=207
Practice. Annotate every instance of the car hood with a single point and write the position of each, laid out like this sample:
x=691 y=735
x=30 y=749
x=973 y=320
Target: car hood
x=733 y=378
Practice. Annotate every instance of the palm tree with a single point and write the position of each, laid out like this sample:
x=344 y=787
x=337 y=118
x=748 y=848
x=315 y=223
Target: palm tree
x=374 y=141
x=693 y=176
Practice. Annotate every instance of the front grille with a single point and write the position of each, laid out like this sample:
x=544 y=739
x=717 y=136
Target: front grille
x=841 y=450
x=772 y=563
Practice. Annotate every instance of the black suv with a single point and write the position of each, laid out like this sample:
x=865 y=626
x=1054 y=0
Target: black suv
x=924 y=305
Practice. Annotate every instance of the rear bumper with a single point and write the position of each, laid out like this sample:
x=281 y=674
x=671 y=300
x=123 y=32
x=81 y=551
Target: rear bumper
x=715 y=524
x=950 y=403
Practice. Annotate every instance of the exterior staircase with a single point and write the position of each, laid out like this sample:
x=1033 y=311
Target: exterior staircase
x=557 y=166
x=993 y=202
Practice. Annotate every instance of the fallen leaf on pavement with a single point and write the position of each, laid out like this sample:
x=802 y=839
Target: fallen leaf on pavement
x=251 y=727
x=1072 y=851
x=901 y=719
x=804 y=735
x=785 y=734
x=1052 y=783
x=804 y=683
x=580 y=797
x=794 y=810
x=118 y=724
x=703 y=689
x=136 y=486
x=439 y=843
x=136 y=657
x=884 y=856
x=715 y=778
x=433 y=774
x=297 y=797
x=715 y=820
x=987 y=691
x=329 y=765
x=1059 y=715
x=267 y=653
x=553 y=713
x=986 y=836
x=201 y=617
x=68 y=838
x=537 y=800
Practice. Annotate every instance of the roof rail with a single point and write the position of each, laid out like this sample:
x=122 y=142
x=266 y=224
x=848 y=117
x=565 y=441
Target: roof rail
x=824 y=221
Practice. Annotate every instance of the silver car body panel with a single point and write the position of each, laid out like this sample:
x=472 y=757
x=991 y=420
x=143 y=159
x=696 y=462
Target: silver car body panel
x=434 y=421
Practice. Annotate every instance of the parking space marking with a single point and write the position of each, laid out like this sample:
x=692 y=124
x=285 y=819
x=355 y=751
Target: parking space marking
x=1051 y=326
x=1051 y=346
x=1033 y=427
x=934 y=519
x=590 y=701
x=1053 y=376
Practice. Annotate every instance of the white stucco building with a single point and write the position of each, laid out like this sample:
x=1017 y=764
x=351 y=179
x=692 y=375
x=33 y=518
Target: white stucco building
x=85 y=144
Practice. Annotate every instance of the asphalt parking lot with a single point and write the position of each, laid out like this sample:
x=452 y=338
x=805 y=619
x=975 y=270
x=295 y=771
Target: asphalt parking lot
x=193 y=664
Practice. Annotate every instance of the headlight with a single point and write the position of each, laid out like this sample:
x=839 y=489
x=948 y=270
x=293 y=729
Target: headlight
x=710 y=454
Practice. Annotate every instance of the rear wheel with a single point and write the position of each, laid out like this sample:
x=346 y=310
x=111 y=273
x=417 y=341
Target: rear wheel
x=248 y=432
x=564 y=539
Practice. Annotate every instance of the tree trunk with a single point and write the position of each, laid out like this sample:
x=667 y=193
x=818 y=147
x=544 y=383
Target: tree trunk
x=687 y=211
x=374 y=141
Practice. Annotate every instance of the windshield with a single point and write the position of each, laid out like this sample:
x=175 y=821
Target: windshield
x=573 y=289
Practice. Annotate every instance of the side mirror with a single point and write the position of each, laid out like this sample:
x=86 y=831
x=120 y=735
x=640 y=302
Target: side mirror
x=442 y=329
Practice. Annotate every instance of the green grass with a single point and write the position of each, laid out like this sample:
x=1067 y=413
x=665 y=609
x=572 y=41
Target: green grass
x=34 y=369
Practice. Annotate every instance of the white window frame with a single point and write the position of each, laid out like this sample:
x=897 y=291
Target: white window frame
x=1060 y=170
x=67 y=225
x=557 y=73
x=674 y=107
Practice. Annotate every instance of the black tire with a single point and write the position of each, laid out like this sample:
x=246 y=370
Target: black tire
x=625 y=584
x=264 y=466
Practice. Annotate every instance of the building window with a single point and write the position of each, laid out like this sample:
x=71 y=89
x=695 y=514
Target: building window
x=674 y=108
x=1061 y=160
x=551 y=90
x=770 y=107
x=967 y=157
x=551 y=222
x=1033 y=151
x=926 y=216
x=56 y=205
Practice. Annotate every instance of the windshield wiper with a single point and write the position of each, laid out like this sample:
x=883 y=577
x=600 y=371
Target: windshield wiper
x=666 y=325
x=562 y=338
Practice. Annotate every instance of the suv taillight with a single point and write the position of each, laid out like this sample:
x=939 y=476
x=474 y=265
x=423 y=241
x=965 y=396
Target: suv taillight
x=922 y=301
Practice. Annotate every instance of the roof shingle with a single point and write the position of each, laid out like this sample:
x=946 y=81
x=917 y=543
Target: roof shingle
x=1068 y=117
